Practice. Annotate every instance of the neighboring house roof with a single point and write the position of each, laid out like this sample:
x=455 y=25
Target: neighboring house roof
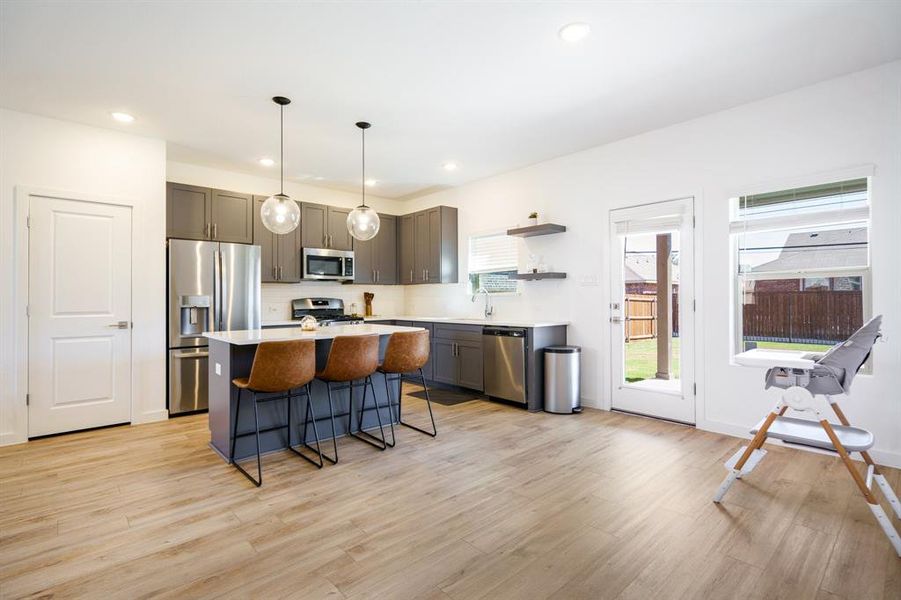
x=801 y=251
x=643 y=268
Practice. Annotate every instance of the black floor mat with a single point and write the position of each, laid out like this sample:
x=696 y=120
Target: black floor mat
x=448 y=397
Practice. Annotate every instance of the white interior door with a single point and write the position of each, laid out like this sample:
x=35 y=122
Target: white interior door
x=652 y=310
x=79 y=326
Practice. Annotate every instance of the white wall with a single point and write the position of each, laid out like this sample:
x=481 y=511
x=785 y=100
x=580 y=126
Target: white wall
x=846 y=122
x=277 y=297
x=57 y=155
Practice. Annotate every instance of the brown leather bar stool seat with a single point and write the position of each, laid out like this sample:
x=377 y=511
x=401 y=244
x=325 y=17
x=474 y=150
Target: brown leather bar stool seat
x=407 y=352
x=278 y=368
x=353 y=358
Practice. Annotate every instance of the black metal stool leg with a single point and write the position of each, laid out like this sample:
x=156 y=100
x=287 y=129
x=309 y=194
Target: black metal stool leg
x=303 y=436
x=390 y=412
x=331 y=410
x=231 y=451
x=256 y=422
x=365 y=436
x=428 y=401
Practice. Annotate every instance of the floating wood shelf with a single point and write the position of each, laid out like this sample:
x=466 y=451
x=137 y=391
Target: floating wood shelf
x=533 y=230
x=537 y=276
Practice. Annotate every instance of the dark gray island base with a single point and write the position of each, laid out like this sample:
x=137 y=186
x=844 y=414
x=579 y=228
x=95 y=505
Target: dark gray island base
x=231 y=356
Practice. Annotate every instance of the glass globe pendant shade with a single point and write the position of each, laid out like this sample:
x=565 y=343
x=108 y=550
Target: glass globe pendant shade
x=363 y=223
x=280 y=214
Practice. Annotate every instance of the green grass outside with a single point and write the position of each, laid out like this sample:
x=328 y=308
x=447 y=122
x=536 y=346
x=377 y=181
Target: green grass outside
x=641 y=356
x=641 y=360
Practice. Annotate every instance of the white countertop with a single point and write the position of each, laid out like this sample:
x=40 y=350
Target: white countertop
x=246 y=337
x=467 y=321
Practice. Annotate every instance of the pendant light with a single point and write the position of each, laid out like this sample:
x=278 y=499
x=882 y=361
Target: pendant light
x=363 y=222
x=279 y=213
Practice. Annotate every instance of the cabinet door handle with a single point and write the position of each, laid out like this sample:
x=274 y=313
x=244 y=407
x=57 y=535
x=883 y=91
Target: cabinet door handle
x=411 y=275
x=215 y=230
x=280 y=271
x=274 y=273
x=426 y=274
x=378 y=275
x=206 y=230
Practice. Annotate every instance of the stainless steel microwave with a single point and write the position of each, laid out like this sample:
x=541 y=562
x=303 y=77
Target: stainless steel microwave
x=327 y=264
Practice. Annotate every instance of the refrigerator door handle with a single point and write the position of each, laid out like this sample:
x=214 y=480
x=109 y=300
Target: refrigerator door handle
x=217 y=290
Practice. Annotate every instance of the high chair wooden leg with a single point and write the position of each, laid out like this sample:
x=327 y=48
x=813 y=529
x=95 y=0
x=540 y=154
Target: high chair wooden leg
x=878 y=477
x=875 y=507
x=755 y=444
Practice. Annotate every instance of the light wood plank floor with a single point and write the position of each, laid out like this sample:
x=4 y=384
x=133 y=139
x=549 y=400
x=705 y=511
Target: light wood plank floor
x=503 y=504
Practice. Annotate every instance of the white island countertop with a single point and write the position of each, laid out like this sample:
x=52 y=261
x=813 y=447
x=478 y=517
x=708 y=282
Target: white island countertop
x=468 y=321
x=247 y=337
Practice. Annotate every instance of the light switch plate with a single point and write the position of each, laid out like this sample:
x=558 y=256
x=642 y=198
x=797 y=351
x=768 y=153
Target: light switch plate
x=218 y=369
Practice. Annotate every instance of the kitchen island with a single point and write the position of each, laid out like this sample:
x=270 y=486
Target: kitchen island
x=231 y=356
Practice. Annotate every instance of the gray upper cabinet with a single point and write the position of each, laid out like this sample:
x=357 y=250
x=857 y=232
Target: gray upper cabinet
x=386 y=251
x=375 y=260
x=428 y=246
x=198 y=213
x=313 y=225
x=187 y=211
x=339 y=237
x=364 y=261
x=325 y=227
x=231 y=217
x=280 y=254
x=405 y=245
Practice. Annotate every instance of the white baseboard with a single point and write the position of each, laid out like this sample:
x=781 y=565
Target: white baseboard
x=11 y=437
x=151 y=416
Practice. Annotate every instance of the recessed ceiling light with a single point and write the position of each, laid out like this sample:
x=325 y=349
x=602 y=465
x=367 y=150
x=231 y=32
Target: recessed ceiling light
x=371 y=182
x=267 y=162
x=449 y=166
x=122 y=117
x=319 y=178
x=574 y=32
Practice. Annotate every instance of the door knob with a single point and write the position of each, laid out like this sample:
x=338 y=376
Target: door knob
x=616 y=319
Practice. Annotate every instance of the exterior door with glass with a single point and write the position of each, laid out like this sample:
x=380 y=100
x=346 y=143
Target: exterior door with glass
x=652 y=310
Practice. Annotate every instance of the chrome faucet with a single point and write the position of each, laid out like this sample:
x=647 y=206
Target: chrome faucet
x=489 y=310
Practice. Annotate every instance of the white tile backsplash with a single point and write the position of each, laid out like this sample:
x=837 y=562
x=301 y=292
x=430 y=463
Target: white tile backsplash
x=389 y=299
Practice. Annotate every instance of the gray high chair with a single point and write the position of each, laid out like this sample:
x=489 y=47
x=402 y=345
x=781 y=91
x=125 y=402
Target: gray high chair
x=810 y=382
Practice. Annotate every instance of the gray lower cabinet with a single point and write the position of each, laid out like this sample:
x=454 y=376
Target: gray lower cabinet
x=427 y=369
x=375 y=260
x=457 y=355
x=324 y=227
x=428 y=246
x=280 y=254
x=198 y=213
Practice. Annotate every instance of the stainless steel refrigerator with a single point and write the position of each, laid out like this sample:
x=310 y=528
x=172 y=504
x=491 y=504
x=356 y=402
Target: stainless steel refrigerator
x=212 y=286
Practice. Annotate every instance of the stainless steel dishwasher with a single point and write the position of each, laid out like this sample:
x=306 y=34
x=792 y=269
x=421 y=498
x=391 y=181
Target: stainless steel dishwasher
x=504 y=349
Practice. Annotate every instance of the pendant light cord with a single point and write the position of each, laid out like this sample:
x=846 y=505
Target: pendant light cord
x=363 y=183
x=281 y=149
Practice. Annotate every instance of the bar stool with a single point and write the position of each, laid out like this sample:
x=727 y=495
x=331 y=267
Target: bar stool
x=278 y=367
x=407 y=352
x=352 y=358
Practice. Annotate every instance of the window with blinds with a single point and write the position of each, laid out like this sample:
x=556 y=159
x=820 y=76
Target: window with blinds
x=802 y=265
x=493 y=260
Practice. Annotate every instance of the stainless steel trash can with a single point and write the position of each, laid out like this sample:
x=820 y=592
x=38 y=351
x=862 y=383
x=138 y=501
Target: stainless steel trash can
x=561 y=379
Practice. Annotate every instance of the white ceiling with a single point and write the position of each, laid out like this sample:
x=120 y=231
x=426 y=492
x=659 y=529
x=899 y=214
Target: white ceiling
x=488 y=85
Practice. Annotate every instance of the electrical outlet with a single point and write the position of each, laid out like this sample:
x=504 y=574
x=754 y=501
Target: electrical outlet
x=218 y=369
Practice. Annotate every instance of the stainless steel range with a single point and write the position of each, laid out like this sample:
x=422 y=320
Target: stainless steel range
x=328 y=311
